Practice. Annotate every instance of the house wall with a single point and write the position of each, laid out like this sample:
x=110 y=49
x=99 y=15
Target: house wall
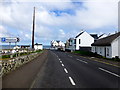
x=85 y=40
x=38 y=47
x=105 y=51
x=116 y=47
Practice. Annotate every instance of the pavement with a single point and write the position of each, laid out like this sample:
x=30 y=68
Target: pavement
x=66 y=70
x=56 y=69
x=23 y=76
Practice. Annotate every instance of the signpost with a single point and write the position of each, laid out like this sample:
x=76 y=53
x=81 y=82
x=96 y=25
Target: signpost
x=10 y=39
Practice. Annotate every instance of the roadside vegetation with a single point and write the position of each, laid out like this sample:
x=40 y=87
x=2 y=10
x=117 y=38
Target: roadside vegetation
x=90 y=54
x=19 y=54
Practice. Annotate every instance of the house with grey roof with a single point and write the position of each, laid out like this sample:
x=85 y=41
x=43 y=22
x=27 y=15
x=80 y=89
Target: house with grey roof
x=83 y=41
x=108 y=46
x=70 y=44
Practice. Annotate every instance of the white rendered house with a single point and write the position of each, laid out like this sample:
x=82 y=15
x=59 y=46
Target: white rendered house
x=83 y=40
x=108 y=47
x=38 y=46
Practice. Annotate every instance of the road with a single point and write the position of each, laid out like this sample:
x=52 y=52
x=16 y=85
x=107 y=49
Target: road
x=66 y=70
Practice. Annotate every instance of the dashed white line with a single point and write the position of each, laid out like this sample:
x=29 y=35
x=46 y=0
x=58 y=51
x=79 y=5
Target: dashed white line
x=70 y=56
x=59 y=58
x=71 y=80
x=82 y=61
x=65 y=70
x=109 y=72
x=63 y=65
x=60 y=61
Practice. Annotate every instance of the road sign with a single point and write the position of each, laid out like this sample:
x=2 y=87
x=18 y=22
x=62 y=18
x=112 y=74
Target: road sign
x=10 y=39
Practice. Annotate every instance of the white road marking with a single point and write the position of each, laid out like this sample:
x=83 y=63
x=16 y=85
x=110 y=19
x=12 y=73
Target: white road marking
x=65 y=70
x=82 y=61
x=70 y=56
x=71 y=80
x=63 y=65
x=109 y=72
x=59 y=58
x=60 y=61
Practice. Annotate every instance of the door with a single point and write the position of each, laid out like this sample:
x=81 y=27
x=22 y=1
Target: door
x=105 y=51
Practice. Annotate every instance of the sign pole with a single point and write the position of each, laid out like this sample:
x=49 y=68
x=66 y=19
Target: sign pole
x=16 y=48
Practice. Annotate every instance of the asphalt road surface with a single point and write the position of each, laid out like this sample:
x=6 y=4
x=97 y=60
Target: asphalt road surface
x=65 y=70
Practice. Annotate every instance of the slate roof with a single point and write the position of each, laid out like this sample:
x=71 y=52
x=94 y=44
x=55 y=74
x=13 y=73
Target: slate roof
x=95 y=36
x=106 y=41
x=79 y=34
x=38 y=44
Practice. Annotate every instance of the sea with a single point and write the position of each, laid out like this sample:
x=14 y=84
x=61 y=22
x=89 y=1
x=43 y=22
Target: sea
x=12 y=46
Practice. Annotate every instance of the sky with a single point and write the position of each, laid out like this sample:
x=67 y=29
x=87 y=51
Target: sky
x=56 y=19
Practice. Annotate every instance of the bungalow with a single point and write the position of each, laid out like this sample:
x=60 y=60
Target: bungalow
x=108 y=46
x=83 y=41
x=38 y=46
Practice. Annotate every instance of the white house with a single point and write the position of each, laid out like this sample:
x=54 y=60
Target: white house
x=15 y=49
x=102 y=36
x=54 y=43
x=70 y=44
x=38 y=46
x=57 y=44
x=83 y=41
x=108 y=46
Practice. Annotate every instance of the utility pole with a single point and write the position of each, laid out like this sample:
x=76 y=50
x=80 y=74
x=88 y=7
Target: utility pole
x=33 y=29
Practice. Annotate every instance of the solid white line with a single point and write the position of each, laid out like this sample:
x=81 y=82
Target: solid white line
x=63 y=65
x=109 y=72
x=65 y=70
x=71 y=80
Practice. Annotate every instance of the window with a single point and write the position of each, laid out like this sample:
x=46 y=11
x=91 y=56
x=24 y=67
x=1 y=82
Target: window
x=107 y=51
x=100 y=50
x=79 y=41
x=74 y=41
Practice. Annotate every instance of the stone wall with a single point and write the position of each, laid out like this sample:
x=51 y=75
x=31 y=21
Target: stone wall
x=9 y=65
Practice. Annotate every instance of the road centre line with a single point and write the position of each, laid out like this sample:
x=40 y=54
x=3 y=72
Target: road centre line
x=65 y=70
x=71 y=80
x=109 y=72
x=63 y=65
x=60 y=61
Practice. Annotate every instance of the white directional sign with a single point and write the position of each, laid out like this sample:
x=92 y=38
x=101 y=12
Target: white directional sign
x=9 y=39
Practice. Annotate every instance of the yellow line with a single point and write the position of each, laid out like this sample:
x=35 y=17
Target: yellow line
x=4 y=59
x=103 y=62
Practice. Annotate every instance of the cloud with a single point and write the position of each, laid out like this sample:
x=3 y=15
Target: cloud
x=4 y=32
x=87 y=15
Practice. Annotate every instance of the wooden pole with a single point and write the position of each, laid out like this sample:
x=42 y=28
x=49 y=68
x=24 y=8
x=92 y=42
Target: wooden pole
x=33 y=29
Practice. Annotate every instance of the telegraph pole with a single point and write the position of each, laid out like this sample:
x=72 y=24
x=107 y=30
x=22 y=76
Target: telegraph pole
x=33 y=29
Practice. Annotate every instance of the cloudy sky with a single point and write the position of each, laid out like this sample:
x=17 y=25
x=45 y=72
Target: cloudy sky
x=57 y=19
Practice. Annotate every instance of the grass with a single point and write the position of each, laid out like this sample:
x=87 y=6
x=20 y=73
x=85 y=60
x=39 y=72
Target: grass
x=90 y=54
